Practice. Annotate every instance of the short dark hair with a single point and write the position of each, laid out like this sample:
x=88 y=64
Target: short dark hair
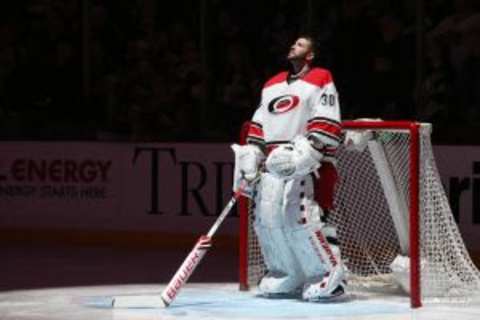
x=311 y=39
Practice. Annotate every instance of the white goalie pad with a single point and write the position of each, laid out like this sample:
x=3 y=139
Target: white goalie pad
x=293 y=239
x=315 y=253
x=284 y=274
x=320 y=261
x=331 y=286
x=269 y=201
x=294 y=160
x=277 y=284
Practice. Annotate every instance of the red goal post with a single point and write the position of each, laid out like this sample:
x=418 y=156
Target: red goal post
x=396 y=173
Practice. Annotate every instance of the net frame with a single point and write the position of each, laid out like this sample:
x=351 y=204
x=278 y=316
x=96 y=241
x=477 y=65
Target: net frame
x=414 y=202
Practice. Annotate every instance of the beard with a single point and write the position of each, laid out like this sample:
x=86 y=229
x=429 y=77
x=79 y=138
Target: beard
x=295 y=58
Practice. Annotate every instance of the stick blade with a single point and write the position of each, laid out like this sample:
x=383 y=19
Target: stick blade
x=137 y=302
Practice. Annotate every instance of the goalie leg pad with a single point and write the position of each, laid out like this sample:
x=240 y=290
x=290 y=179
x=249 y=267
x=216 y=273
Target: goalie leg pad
x=284 y=275
x=321 y=262
x=280 y=285
x=331 y=286
x=294 y=241
x=315 y=246
x=302 y=219
x=331 y=283
x=269 y=201
x=308 y=252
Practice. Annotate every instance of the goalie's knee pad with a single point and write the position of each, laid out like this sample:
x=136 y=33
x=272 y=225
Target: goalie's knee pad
x=314 y=243
x=284 y=276
x=277 y=254
x=269 y=201
x=326 y=281
x=316 y=248
x=284 y=273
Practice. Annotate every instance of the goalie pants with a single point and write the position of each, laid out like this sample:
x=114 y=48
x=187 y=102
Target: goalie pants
x=296 y=244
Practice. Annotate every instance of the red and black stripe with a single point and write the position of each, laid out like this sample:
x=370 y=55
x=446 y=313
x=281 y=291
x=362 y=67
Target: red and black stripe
x=325 y=127
x=255 y=134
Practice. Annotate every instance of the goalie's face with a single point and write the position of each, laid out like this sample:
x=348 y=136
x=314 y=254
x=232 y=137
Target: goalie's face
x=301 y=50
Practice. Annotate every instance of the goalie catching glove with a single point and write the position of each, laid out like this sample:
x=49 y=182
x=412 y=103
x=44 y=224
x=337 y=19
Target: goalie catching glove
x=247 y=162
x=295 y=159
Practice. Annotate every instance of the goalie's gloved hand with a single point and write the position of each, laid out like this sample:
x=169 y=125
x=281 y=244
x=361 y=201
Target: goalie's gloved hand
x=281 y=161
x=293 y=160
x=247 y=163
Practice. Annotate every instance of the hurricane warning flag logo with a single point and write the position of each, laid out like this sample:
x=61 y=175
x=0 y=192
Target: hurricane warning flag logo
x=283 y=104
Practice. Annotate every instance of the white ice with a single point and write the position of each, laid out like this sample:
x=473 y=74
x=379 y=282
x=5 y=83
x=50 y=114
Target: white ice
x=213 y=302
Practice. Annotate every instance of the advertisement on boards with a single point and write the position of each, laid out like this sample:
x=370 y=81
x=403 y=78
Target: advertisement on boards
x=163 y=187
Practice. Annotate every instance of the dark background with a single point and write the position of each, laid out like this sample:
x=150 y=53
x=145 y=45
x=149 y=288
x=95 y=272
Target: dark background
x=146 y=70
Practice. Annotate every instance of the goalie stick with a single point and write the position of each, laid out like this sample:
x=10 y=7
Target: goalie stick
x=185 y=270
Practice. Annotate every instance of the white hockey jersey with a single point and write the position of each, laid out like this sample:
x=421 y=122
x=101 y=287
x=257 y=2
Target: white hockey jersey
x=307 y=106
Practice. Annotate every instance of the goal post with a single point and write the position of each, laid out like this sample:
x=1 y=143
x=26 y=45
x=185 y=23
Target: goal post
x=389 y=203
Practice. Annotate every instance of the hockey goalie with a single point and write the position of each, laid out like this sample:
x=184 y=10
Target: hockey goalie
x=291 y=145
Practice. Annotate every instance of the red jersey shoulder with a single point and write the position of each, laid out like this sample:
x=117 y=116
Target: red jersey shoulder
x=282 y=76
x=319 y=77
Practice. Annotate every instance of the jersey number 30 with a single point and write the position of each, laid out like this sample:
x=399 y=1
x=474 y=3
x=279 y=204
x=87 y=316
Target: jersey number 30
x=327 y=99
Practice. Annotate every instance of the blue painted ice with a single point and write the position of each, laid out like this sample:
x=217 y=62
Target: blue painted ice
x=229 y=303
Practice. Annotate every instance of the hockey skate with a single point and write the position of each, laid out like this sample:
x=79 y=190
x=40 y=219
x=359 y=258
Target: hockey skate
x=331 y=287
x=275 y=285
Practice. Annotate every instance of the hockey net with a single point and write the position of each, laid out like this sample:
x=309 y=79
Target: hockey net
x=389 y=203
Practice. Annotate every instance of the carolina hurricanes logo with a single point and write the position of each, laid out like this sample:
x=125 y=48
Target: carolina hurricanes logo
x=283 y=104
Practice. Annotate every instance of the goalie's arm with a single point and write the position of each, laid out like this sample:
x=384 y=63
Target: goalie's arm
x=324 y=127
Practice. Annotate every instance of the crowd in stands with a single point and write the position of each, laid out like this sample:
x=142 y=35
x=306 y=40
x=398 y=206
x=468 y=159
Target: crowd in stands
x=130 y=70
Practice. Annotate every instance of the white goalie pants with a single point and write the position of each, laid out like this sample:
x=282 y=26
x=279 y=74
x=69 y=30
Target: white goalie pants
x=298 y=248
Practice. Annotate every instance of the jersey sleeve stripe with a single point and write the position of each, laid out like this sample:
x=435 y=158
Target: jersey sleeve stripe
x=325 y=127
x=327 y=120
x=256 y=141
x=254 y=131
x=256 y=124
x=326 y=137
x=327 y=151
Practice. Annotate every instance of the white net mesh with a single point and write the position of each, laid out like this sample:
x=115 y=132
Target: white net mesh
x=447 y=270
x=371 y=239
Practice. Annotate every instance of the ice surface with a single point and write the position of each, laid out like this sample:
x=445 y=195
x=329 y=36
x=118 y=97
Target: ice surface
x=212 y=301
